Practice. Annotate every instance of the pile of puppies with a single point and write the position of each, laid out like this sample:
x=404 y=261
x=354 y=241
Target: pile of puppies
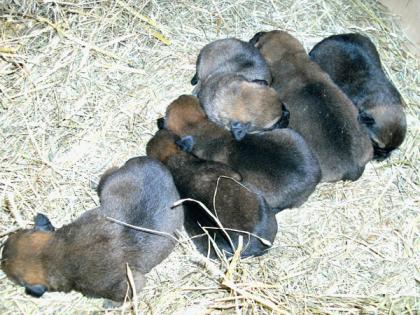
x=229 y=148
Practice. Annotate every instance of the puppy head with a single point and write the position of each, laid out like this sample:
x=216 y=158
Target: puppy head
x=275 y=44
x=22 y=256
x=183 y=114
x=249 y=107
x=386 y=126
x=163 y=145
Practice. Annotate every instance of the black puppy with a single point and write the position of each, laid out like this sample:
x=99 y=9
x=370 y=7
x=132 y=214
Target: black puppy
x=90 y=254
x=278 y=164
x=319 y=110
x=236 y=207
x=353 y=63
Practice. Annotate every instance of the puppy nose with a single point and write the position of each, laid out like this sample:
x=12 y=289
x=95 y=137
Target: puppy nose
x=380 y=154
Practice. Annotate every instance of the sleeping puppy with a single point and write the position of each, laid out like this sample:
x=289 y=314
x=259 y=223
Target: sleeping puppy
x=233 y=87
x=319 y=110
x=90 y=254
x=242 y=106
x=215 y=184
x=230 y=56
x=277 y=164
x=353 y=63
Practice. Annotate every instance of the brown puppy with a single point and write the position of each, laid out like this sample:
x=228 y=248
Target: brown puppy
x=319 y=110
x=242 y=106
x=277 y=164
x=90 y=254
x=232 y=84
x=353 y=63
x=236 y=206
x=230 y=56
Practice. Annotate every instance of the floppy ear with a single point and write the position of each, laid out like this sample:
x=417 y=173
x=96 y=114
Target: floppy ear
x=283 y=122
x=36 y=290
x=285 y=112
x=194 y=79
x=261 y=82
x=254 y=40
x=239 y=130
x=186 y=143
x=366 y=119
x=160 y=122
x=42 y=223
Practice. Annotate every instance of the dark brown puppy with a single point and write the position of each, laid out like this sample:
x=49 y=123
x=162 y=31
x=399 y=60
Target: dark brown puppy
x=230 y=56
x=319 y=110
x=90 y=254
x=242 y=106
x=277 y=164
x=236 y=206
x=353 y=63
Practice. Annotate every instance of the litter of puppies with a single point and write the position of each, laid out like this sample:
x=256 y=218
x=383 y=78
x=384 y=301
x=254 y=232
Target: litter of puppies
x=259 y=168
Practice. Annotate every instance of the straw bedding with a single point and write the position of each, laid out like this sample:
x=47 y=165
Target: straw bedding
x=81 y=85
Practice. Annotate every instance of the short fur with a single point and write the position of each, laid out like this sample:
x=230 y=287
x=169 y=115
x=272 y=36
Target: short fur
x=230 y=99
x=353 y=63
x=319 y=110
x=90 y=254
x=278 y=164
x=236 y=206
x=230 y=55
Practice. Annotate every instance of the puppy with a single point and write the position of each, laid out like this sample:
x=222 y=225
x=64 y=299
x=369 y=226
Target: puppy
x=215 y=184
x=353 y=63
x=90 y=254
x=242 y=106
x=230 y=56
x=277 y=164
x=319 y=110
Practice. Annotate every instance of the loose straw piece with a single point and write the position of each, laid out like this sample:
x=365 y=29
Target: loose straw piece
x=148 y=20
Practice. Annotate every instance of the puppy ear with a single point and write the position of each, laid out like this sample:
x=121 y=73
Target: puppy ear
x=366 y=119
x=194 y=79
x=186 y=143
x=254 y=40
x=283 y=122
x=285 y=115
x=239 y=130
x=261 y=82
x=42 y=223
x=36 y=290
x=160 y=122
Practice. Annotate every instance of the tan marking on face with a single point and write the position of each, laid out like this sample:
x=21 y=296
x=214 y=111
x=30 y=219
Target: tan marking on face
x=22 y=253
x=184 y=113
x=162 y=146
x=253 y=103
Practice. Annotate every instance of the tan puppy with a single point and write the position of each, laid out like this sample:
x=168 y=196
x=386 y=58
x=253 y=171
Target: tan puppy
x=90 y=254
x=237 y=208
x=353 y=63
x=319 y=110
x=277 y=164
x=242 y=106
